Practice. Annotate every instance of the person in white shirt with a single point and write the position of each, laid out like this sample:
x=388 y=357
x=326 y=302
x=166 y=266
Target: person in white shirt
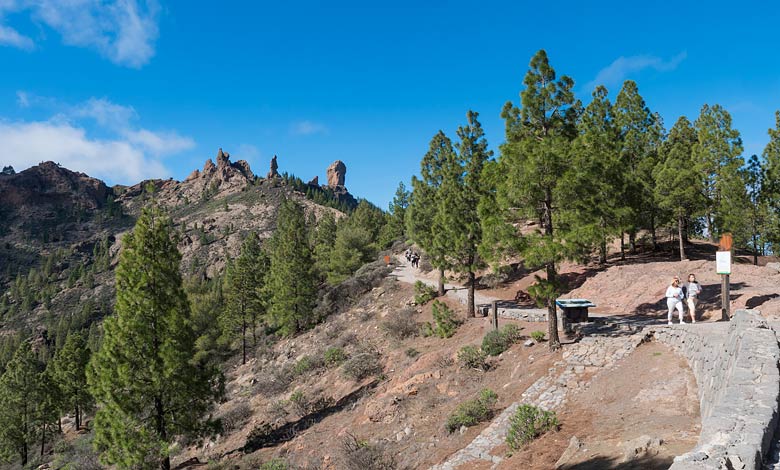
x=674 y=298
x=693 y=289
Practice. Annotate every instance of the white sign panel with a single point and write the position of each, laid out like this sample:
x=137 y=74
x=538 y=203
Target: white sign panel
x=723 y=262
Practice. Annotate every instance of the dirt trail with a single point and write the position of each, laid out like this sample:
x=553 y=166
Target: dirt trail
x=406 y=273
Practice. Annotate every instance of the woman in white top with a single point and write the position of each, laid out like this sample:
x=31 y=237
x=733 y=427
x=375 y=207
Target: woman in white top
x=674 y=298
x=692 y=295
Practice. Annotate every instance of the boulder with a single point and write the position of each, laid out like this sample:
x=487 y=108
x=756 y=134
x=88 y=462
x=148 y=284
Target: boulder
x=774 y=266
x=640 y=447
x=336 y=173
x=574 y=447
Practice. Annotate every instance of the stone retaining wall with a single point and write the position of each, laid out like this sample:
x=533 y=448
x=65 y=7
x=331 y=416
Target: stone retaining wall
x=736 y=369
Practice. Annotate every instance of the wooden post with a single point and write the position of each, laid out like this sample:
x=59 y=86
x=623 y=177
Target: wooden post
x=494 y=317
x=723 y=261
x=725 y=298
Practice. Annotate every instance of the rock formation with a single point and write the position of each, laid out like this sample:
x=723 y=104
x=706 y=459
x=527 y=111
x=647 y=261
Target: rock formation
x=314 y=181
x=272 y=173
x=336 y=173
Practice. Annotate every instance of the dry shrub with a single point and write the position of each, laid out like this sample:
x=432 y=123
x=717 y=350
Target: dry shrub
x=359 y=454
x=235 y=418
x=402 y=324
x=363 y=363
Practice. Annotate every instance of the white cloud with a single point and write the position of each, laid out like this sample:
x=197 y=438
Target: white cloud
x=123 y=31
x=12 y=37
x=247 y=152
x=615 y=73
x=107 y=114
x=26 y=144
x=159 y=143
x=308 y=128
x=128 y=155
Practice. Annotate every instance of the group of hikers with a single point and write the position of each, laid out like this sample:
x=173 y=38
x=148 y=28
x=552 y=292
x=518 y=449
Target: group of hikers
x=678 y=294
x=412 y=257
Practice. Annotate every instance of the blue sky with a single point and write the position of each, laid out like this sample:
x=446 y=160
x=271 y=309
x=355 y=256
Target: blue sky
x=128 y=89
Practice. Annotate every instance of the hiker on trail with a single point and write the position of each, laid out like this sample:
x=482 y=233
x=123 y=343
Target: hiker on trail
x=415 y=260
x=408 y=254
x=692 y=291
x=674 y=299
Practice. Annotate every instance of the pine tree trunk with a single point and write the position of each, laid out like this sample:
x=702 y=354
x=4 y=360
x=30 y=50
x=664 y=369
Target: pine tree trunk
x=552 y=313
x=165 y=464
x=243 y=339
x=622 y=247
x=632 y=241
x=680 y=221
x=603 y=247
x=43 y=439
x=472 y=311
x=23 y=454
x=78 y=418
x=652 y=232
x=755 y=250
x=441 y=282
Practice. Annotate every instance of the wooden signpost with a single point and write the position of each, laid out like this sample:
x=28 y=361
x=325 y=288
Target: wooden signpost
x=723 y=267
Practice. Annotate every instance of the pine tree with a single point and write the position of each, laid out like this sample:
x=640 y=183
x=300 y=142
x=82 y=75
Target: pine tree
x=457 y=226
x=20 y=388
x=717 y=154
x=291 y=283
x=394 y=228
x=596 y=188
x=147 y=388
x=771 y=190
x=679 y=188
x=50 y=404
x=352 y=248
x=324 y=237
x=533 y=161
x=69 y=371
x=424 y=204
x=244 y=292
x=758 y=212
x=640 y=133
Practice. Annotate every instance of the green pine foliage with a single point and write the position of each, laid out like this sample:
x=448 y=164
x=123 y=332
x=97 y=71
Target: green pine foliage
x=640 y=133
x=528 y=423
x=770 y=191
x=679 y=188
x=324 y=237
x=532 y=164
x=456 y=223
x=598 y=208
x=245 y=293
x=473 y=411
x=395 y=228
x=69 y=371
x=717 y=153
x=425 y=205
x=147 y=387
x=18 y=386
x=445 y=322
x=291 y=282
x=22 y=394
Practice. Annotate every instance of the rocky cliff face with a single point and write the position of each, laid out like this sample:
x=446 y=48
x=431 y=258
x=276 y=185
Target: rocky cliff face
x=47 y=201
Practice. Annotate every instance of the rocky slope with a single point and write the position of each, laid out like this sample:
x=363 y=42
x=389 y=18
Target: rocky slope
x=59 y=220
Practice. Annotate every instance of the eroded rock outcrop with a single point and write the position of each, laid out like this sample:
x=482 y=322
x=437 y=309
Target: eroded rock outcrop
x=272 y=172
x=337 y=172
